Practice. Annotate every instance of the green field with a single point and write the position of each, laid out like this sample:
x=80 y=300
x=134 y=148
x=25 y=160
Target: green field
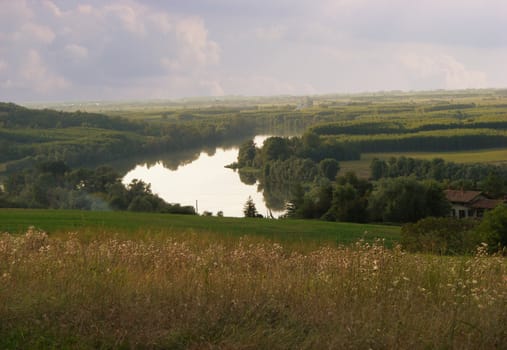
x=491 y=156
x=145 y=224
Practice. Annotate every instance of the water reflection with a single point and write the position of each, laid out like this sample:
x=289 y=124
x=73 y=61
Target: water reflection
x=173 y=159
x=200 y=176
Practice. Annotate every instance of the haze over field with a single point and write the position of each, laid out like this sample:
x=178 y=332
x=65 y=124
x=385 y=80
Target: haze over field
x=124 y=49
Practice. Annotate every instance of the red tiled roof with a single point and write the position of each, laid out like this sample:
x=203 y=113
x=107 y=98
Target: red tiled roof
x=459 y=196
x=485 y=203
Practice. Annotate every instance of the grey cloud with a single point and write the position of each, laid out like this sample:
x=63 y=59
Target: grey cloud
x=114 y=45
x=172 y=48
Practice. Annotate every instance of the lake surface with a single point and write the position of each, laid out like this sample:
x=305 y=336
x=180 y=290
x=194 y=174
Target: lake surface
x=205 y=180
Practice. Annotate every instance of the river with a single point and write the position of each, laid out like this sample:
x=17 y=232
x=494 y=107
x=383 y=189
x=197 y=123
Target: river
x=204 y=181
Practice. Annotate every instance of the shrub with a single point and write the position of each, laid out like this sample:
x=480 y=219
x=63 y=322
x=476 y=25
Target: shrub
x=493 y=228
x=440 y=236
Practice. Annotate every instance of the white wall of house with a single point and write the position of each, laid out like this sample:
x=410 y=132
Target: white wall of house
x=460 y=211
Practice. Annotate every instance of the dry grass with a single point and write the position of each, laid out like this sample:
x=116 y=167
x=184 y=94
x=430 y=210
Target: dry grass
x=200 y=293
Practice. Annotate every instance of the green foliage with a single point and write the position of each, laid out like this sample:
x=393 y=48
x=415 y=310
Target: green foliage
x=342 y=126
x=246 y=154
x=329 y=168
x=350 y=199
x=345 y=200
x=279 y=178
x=275 y=148
x=440 y=236
x=378 y=169
x=405 y=199
x=83 y=138
x=311 y=140
x=435 y=140
x=56 y=186
x=495 y=184
x=249 y=209
x=493 y=228
x=290 y=171
x=248 y=176
x=491 y=178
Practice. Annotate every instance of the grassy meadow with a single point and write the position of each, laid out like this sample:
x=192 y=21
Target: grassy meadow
x=200 y=292
x=135 y=225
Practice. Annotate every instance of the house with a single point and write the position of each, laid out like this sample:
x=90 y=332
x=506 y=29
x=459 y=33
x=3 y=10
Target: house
x=470 y=204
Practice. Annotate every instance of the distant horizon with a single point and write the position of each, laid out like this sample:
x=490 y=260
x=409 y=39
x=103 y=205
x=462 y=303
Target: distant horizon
x=232 y=96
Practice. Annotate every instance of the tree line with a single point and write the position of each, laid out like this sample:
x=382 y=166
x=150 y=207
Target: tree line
x=352 y=199
x=28 y=136
x=490 y=178
x=54 y=185
x=294 y=176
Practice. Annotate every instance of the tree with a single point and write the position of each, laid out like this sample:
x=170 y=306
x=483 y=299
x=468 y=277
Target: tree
x=246 y=154
x=249 y=209
x=350 y=198
x=56 y=168
x=348 y=205
x=329 y=168
x=404 y=199
x=493 y=228
x=275 y=148
x=378 y=168
x=310 y=140
x=494 y=185
x=140 y=203
x=294 y=205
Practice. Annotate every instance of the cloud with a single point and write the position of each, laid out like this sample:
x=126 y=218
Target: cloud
x=12 y=13
x=110 y=46
x=34 y=32
x=445 y=68
x=214 y=88
x=55 y=10
x=170 y=48
x=84 y=9
x=128 y=17
x=35 y=74
x=76 y=52
x=194 y=44
x=274 y=32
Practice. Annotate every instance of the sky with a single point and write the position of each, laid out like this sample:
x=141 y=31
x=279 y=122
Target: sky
x=75 y=50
